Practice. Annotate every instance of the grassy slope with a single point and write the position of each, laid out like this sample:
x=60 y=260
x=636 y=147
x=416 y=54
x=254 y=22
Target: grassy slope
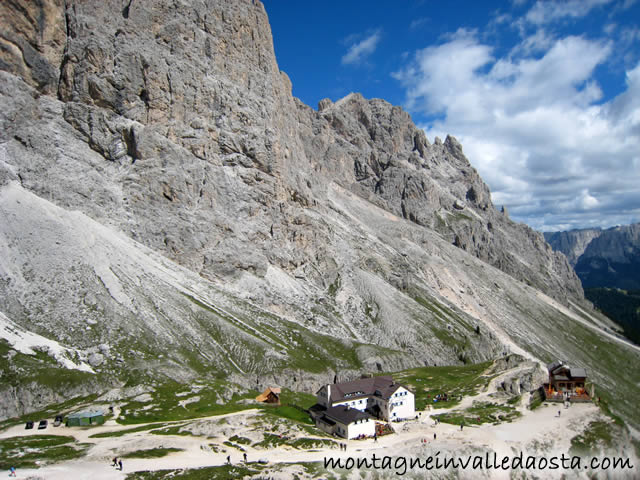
x=456 y=381
x=479 y=413
x=622 y=306
x=166 y=407
x=22 y=369
x=24 y=452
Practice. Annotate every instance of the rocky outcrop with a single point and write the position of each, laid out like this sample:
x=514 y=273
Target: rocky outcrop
x=37 y=396
x=572 y=243
x=33 y=36
x=373 y=149
x=520 y=375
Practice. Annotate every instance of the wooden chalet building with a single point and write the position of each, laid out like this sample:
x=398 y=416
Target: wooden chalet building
x=270 y=395
x=566 y=383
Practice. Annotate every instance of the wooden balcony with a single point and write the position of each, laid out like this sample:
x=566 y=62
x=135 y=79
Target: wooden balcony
x=560 y=397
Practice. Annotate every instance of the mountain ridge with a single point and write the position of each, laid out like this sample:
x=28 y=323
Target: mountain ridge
x=605 y=258
x=572 y=243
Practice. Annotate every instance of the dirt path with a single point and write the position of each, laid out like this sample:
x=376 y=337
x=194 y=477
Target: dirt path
x=83 y=434
x=542 y=426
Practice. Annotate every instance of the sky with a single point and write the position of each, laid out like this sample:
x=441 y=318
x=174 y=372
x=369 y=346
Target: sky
x=543 y=95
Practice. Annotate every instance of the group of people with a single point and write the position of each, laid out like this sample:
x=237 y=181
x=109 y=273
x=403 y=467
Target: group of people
x=117 y=462
x=441 y=397
x=244 y=456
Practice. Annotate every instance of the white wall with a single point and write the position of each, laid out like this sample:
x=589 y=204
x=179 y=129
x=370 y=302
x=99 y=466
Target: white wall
x=402 y=404
x=366 y=427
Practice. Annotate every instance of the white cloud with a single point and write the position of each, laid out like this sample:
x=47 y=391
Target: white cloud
x=547 y=11
x=535 y=127
x=540 y=41
x=360 y=50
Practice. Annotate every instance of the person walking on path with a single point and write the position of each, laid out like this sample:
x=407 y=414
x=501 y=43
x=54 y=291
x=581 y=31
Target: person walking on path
x=12 y=472
x=229 y=459
x=245 y=457
x=434 y=435
x=114 y=462
x=120 y=464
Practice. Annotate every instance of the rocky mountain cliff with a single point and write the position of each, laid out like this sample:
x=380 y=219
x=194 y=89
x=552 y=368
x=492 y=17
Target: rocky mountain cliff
x=168 y=208
x=612 y=259
x=572 y=243
x=602 y=258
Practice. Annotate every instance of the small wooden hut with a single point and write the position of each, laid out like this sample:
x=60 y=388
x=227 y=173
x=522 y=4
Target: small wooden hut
x=270 y=395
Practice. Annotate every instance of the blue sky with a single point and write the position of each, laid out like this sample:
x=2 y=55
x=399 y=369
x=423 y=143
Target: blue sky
x=543 y=95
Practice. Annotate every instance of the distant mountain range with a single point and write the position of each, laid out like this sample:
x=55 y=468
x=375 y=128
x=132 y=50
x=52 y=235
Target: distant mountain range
x=602 y=258
x=608 y=264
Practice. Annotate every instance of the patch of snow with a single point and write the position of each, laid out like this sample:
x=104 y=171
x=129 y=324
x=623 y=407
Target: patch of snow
x=28 y=342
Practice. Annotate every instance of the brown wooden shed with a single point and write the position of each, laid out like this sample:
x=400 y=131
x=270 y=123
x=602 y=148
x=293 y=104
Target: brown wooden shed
x=270 y=395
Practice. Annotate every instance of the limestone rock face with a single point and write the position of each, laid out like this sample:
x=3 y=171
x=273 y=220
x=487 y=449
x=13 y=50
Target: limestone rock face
x=165 y=202
x=572 y=243
x=206 y=156
x=612 y=259
x=602 y=258
x=618 y=245
x=374 y=150
x=32 y=40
